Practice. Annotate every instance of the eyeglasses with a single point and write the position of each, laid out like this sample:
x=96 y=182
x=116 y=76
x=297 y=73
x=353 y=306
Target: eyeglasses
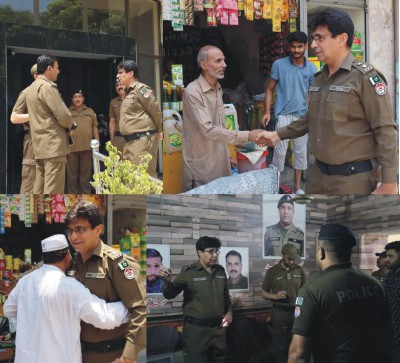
x=213 y=252
x=320 y=38
x=77 y=230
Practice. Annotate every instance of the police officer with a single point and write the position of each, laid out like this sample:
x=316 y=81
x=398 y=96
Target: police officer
x=350 y=121
x=340 y=315
x=277 y=235
x=114 y=112
x=383 y=268
x=79 y=160
x=281 y=284
x=28 y=160
x=111 y=276
x=206 y=307
x=51 y=123
x=140 y=117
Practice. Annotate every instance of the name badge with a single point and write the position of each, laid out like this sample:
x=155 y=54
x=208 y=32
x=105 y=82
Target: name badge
x=93 y=275
x=314 y=89
x=200 y=279
x=274 y=238
x=220 y=277
x=339 y=88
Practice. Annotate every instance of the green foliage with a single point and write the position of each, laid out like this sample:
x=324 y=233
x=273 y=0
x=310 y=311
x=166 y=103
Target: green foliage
x=15 y=16
x=124 y=177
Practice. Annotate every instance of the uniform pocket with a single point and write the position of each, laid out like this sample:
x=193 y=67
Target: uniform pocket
x=337 y=106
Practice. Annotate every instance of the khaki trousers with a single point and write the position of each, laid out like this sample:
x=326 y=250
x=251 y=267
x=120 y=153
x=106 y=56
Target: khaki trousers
x=119 y=143
x=79 y=172
x=145 y=145
x=28 y=172
x=50 y=176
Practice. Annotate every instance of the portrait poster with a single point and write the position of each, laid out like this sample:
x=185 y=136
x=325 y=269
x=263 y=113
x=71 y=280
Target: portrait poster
x=283 y=225
x=156 y=255
x=235 y=260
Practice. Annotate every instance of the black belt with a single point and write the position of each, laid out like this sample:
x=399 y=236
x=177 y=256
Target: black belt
x=103 y=347
x=138 y=135
x=117 y=133
x=283 y=307
x=209 y=323
x=345 y=169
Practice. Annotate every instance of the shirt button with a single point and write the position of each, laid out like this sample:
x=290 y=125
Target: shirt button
x=318 y=140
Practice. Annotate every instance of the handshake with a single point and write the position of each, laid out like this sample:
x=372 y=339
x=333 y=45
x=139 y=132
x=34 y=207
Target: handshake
x=262 y=137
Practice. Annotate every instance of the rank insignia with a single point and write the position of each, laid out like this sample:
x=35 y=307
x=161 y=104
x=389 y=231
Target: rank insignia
x=375 y=79
x=144 y=92
x=129 y=273
x=297 y=312
x=123 y=265
x=380 y=89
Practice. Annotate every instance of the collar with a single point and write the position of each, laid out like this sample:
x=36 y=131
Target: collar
x=205 y=86
x=346 y=65
x=132 y=85
x=302 y=66
x=52 y=268
x=42 y=76
x=339 y=266
x=84 y=107
x=98 y=251
x=199 y=266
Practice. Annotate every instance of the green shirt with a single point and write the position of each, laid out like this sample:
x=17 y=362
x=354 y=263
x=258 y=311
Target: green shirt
x=290 y=280
x=343 y=312
x=205 y=294
x=276 y=237
x=242 y=284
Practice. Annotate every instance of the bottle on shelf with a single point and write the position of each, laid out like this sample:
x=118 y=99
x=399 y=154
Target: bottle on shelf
x=165 y=104
x=174 y=100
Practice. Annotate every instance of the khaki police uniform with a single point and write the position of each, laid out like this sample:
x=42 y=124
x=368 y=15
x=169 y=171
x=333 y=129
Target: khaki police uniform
x=114 y=112
x=276 y=237
x=351 y=130
x=113 y=276
x=140 y=121
x=50 y=120
x=342 y=312
x=79 y=165
x=289 y=279
x=28 y=159
x=206 y=301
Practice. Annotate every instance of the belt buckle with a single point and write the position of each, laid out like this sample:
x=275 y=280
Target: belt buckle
x=350 y=169
x=105 y=347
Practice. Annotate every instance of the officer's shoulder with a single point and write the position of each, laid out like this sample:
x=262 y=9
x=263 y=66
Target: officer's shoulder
x=112 y=253
x=298 y=230
x=188 y=267
x=363 y=67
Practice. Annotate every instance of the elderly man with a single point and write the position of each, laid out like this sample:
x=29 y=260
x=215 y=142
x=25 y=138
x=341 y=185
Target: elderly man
x=140 y=117
x=205 y=137
x=350 y=122
x=330 y=314
x=49 y=306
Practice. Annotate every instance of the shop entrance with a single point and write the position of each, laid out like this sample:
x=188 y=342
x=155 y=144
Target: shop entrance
x=92 y=73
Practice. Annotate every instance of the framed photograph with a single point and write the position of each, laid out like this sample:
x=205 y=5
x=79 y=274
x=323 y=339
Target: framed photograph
x=283 y=221
x=156 y=255
x=236 y=263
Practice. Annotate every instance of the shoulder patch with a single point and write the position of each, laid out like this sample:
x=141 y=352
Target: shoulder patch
x=144 y=91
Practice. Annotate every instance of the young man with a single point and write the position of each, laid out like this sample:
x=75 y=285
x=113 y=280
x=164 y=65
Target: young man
x=330 y=315
x=291 y=77
x=79 y=160
x=383 y=268
x=49 y=306
x=206 y=307
x=281 y=284
x=283 y=232
x=110 y=275
x=350 y=121
x=154 y=281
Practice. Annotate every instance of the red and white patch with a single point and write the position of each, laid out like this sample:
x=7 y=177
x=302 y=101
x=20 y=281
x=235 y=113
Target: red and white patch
x=129 y=273
x=380 y=89
x=297 y=312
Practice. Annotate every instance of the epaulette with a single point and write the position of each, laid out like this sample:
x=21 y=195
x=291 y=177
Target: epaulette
x=317 y=74
x=299 y=230
x=188 y=267
x=112 y=253
x=363 y=67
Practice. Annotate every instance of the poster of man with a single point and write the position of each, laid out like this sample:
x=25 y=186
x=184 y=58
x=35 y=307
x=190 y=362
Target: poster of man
x=283 y=221
x=236 y=263
x=157 y=255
